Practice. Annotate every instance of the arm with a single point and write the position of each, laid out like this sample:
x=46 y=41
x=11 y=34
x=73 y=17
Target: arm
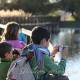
x=22 y=37
x=52 y=67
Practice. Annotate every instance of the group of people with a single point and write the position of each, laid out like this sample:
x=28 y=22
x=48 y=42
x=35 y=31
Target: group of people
x=42 y=58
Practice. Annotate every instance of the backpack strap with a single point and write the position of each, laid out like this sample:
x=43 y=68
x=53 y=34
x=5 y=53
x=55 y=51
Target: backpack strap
x=29 y=54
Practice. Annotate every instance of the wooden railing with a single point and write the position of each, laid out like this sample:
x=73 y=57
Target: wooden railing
x=49 y=22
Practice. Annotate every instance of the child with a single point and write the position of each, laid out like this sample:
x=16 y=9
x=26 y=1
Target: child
x=5 y=59
x=12 y=36
x=41 y=63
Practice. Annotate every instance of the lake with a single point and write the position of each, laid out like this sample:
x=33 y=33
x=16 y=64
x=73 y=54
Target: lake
x=71 y=38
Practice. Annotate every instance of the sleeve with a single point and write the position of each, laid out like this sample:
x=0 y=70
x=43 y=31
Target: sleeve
x=23 y=37
x=23 y=44
x=53 y=67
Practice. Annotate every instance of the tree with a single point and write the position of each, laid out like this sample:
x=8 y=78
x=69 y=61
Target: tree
x=3 y=4
x=72 y=6
x=33 y=6
x=43 y=6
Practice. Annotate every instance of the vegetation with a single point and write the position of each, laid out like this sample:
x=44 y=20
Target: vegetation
x=32 y=6
x=43 y=6
x=72 y=6
x=16 y=13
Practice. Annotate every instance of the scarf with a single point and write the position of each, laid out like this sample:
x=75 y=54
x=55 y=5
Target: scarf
x=39 y=52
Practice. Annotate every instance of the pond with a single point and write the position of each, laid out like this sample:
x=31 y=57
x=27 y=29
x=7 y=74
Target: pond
x=72 y=40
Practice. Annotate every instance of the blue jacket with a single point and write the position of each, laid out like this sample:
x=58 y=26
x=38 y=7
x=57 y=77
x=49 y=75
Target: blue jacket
x=22 y=37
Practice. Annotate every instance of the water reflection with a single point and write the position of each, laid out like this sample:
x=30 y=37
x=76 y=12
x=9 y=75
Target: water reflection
x=69 y=38
x=72 y=40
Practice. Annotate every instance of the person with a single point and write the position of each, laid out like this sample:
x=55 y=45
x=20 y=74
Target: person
x=12 y=36
x=6 y=57
x=1 y=34
x=41 y=63
x=22 y=36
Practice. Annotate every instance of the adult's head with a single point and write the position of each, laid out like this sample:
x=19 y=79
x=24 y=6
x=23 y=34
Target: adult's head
x=6 y=50
x=12 y=31
x=40 y=36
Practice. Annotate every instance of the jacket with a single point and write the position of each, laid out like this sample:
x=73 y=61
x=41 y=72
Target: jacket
x=49 y=67
x=4 y=66
x=16 y=43
x=23 y=37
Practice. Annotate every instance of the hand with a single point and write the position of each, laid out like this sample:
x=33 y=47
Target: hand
x=64 y=53
x=55 y=50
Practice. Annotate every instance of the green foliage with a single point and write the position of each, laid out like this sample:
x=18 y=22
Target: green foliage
x=43 y=6
x=32 y=6
x=72 y=6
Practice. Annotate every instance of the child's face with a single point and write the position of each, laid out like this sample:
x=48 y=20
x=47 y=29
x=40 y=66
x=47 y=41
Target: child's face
x=45 y=43
x=9 y=55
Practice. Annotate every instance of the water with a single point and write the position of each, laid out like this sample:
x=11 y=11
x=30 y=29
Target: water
x=73 y=68
x=72 y=40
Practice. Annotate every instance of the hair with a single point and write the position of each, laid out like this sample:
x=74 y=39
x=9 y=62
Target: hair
x=12 y=31
x=4 y=48
x=1 y=31
x=39 y=33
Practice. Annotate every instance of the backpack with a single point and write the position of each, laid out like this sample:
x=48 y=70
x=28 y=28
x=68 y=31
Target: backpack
x=20 y=70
